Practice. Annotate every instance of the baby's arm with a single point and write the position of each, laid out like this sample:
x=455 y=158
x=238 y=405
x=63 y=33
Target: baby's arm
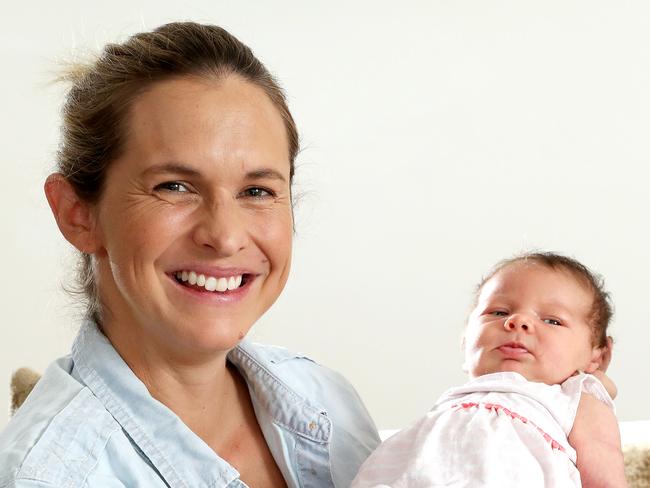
x=607 y=382
x=597 y=441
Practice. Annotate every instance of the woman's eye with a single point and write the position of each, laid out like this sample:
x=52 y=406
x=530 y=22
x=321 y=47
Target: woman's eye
x=552 y=322
x=172 y=186
x=256 y=192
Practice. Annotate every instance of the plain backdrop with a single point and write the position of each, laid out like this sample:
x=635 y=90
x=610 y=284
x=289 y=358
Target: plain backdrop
x=438 y=137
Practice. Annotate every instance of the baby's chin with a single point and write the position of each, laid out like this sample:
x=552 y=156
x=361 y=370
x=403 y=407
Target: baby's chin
x=558 y=379
x=511 y=367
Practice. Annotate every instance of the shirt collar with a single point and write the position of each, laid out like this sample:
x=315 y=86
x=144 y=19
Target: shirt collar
x=161 y=435
x=181 y=457
x=289 y=410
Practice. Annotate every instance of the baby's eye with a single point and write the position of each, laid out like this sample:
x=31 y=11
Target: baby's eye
x=499 y=313
x=172 y=186
x=552 y=322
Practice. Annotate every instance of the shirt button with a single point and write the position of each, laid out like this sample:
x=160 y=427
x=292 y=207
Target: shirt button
x=312 y=425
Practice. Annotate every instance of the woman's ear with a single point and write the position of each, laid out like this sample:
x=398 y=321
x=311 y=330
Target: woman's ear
x=73 y=215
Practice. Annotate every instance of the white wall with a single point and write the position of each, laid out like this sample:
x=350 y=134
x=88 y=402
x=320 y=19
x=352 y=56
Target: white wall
x=439 y=137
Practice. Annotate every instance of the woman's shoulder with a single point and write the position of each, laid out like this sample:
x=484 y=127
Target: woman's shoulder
x=48 y=441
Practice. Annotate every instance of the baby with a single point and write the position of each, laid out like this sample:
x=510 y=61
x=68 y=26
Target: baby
x=532 y=414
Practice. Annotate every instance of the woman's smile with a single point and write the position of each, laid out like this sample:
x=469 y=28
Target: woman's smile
x=218 y=285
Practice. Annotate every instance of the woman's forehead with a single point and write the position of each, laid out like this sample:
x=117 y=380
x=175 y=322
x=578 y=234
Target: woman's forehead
x=188 y=104
x=189 y=119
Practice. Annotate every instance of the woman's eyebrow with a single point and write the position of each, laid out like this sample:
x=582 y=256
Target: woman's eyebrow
x=182 y=169
x=265 y=173
x=175 y=168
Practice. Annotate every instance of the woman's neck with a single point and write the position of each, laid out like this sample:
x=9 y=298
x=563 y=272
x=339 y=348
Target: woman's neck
x=201 y=389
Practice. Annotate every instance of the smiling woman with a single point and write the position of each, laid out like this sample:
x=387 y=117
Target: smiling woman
x=174 y=182
x=221 y=210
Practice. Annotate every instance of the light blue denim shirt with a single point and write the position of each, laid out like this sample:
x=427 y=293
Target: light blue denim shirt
x=90 y=422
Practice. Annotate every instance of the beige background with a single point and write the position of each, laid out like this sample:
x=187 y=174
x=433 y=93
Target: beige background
x=438 y=137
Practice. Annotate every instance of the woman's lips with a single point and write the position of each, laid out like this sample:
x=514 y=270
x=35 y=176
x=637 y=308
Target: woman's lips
x=198 y=292
x=211 y=283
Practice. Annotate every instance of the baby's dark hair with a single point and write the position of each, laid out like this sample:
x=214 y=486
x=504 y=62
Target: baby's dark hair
x=601 y=309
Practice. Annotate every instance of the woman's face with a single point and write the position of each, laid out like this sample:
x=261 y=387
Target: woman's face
x=195 y=222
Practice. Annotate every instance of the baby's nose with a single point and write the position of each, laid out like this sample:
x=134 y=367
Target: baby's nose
x=517 y=321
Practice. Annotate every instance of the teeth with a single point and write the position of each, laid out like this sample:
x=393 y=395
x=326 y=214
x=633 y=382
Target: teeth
x=192 y=278
x=210 y=283
x=222 y=284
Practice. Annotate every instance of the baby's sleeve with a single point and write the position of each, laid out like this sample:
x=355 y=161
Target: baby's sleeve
x=581 y=383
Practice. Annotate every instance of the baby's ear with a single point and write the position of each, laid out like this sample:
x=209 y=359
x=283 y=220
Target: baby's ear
x=601 y=356
x=596 y=360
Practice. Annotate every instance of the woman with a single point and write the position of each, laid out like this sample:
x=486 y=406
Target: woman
x=174 y=182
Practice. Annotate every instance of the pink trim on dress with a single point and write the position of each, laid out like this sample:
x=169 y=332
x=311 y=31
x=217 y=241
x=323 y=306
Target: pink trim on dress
x=514 y=415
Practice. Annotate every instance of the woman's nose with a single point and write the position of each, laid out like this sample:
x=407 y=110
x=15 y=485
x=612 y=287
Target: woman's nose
x=518 y=321
x=222 y=228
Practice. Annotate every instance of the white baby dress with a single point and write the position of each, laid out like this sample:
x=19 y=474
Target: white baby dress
x=498 y=430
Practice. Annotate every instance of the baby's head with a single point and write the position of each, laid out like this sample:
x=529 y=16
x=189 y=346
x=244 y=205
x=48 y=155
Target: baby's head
x=542 y=315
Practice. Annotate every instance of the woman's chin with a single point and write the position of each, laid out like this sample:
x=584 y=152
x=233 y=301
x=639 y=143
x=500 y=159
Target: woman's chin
x=211 y=339
x=196 y=340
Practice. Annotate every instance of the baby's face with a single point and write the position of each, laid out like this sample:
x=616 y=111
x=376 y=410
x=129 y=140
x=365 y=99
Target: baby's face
x=532 y=320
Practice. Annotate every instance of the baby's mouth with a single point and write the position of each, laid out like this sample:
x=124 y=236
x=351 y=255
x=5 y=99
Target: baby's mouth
x=513 y=348
x=202 y=282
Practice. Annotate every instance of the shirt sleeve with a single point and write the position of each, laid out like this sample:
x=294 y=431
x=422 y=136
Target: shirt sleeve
x=354 y=436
